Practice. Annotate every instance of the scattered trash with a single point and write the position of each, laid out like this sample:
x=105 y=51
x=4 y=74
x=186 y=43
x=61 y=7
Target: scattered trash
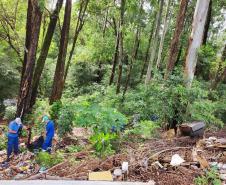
x=100 y=176
x=125 y=167
x=151 y=160
x=157 y=164
x=117 y=172
x=176 y=160
x=42 y=169
x=3 y=152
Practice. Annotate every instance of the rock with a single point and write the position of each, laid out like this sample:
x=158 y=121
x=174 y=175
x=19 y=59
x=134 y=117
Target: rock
x=223 y=176
x=117 y=172
x=224 y=167
x=220 y=165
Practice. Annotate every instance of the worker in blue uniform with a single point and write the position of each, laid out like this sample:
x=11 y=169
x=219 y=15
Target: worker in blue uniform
x=47 y=145
x=13 y=137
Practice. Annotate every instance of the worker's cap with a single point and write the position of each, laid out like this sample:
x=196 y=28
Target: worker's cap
x=18 y=121
x=45 y=118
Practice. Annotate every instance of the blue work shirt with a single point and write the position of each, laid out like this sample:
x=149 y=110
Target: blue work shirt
x=50 y=129
x=14 y=127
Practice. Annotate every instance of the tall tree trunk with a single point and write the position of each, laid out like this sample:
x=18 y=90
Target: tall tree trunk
x=133 y=58
x=100 y=70
x=207 y=25
x=221 y=72
x=175 y=42
x=155 y=42
x=135 y=49
x=79 y=26
x=28 y=37
x=44 y=51
x=115 y=59
x=58 y=82
x=166 y=22
x=32 y=36
x=146 y=58
x=122 y=11
x=196 y=37
x=179 y=54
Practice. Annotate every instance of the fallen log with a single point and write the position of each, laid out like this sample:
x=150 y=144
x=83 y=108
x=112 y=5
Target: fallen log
x=36 y=176
x=155 y=156
x=47 y=177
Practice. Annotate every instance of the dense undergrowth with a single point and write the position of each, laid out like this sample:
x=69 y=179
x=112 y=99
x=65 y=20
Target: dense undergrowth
x=143 y=110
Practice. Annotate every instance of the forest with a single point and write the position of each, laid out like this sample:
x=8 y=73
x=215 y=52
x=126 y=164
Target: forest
x=119 y=79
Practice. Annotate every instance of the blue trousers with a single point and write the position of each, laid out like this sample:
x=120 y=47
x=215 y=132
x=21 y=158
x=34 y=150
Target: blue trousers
x=13 y=145
x=47 y=143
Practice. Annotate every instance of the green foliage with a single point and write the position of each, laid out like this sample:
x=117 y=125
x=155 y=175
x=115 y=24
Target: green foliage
x=40 y=109
x=46 y=160
x=100 y=119
x=74 y=148
x=54 y=109
x=10 y=112
x=41 y=4
x=103 y=143
x=208 y=62
x=65 y=120
x=210 y=178
x=3 y=142
x=2 y=109
x=205 y=111
x=147 y=129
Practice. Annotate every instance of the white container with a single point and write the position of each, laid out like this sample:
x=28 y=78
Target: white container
x=125 y=166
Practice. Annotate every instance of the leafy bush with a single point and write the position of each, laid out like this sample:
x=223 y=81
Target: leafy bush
x=211 y=177
x=169 y=100
x=46 y=160
x=101 y=119
x=103 y=143
x=55 y=109
x=10 y=112
x=73 y=148
x=3 y=142
x=65 y=120
x=205 y=111
x=40 y=109
x=147 y=129
x=2 y=109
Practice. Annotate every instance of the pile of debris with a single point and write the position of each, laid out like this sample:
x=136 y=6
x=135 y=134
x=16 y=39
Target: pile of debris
x=20 y=166
x=178 y=160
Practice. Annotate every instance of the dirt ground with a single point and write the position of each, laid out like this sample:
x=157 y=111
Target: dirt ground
x=141 y=156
